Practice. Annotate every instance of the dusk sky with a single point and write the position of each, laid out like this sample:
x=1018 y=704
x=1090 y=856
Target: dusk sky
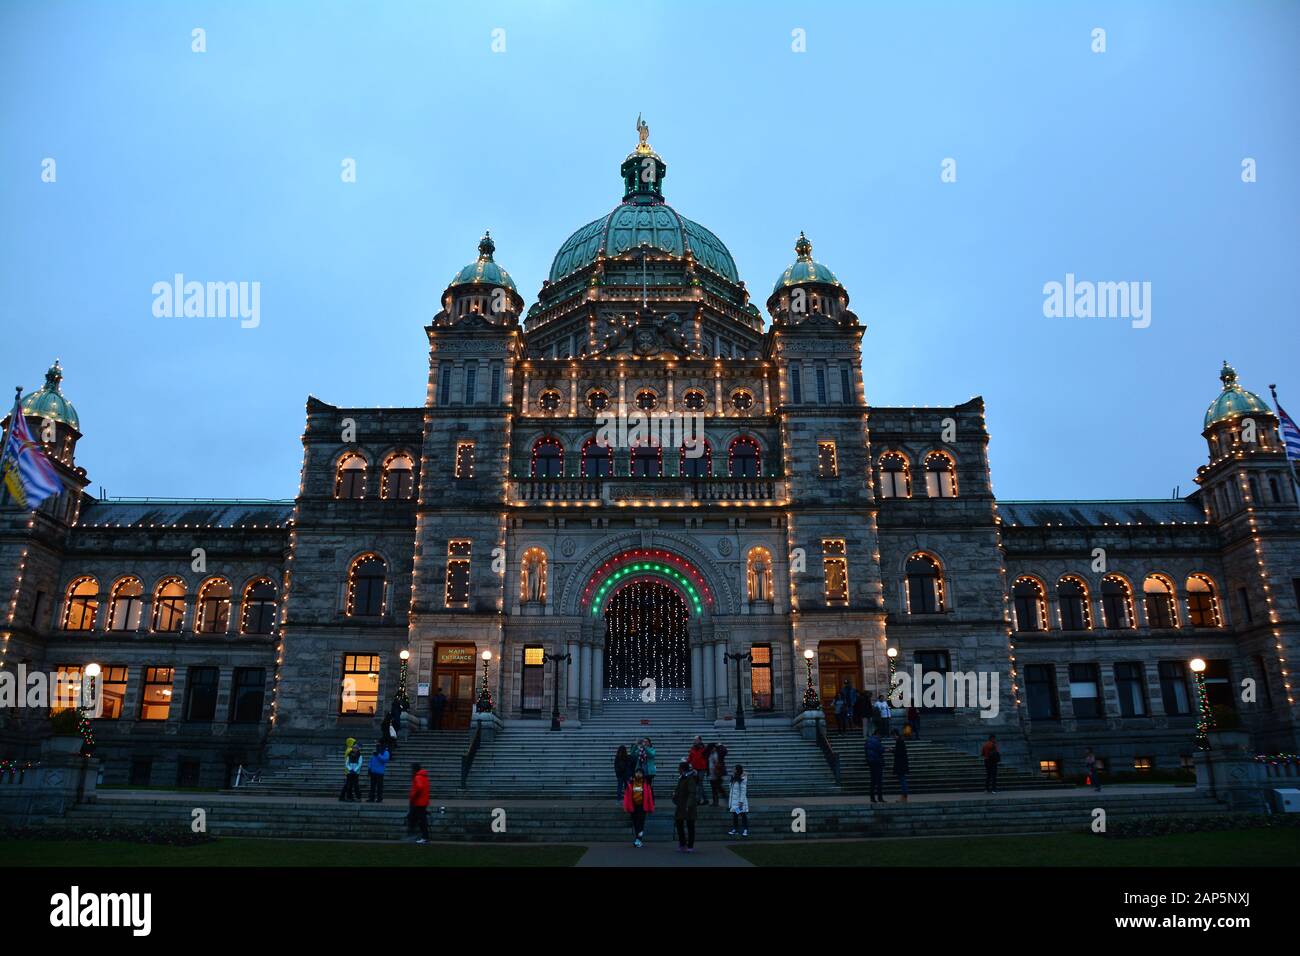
x=1119 y=166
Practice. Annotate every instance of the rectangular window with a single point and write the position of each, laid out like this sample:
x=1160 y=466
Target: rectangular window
x=835 y=566
x=1261 y=675
x=533 y=681
x=458 y=554
x=1085 y=691
x=247 y=694
x=360 y=684
x=828 y=464
x=113 y=691
x=141 y=771
x=444 y=384
x=156 y=696
x=38 y=608
x=1243 y=598
x=821 y=385
x=760 y=677
x=796 y=386
x=464 y=459
x=1131 y=686
x=471 y=381
x=201 y=694
x=495 y=397
x=66 y=693
x=1050 y=768
x=846 y=385
x=1218 y=684
x=1173 y=688
x=1040 y=690
x=1144 y=764
x=935 y=662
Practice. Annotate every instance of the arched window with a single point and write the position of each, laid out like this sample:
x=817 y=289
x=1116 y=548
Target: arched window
x=214 y=606
x=940 y=475
x=549 y=400
x=367 y=580
x=532 y=577
x=758 y=575
x=1072 y=595
x=548 y=458
x=647 y=461
x=895 y=478
x=742 y=400
x=694 y=400
x=1203 y=602
x=169 y=606
x=1030 y=604
x=647 y=400
x=1117 y=602
x=82 y=603
x=126 y=605
x=699 y=466
x=1158 y=595
x=350 y=480
x=598 y=400
x=258 y=615
x=744 y=459
x=924 y=585
x=399 y=477
x=597 y=459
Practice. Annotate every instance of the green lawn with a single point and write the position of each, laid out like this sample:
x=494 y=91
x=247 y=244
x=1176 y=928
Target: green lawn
x=1274 y=847
x=230 y=851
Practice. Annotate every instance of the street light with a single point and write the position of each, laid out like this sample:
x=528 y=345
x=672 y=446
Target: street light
x=740 y=659
x=1204 y=717
x=555 y=695
x=484 y=703
x=810 y=699
x=92 y=671
x=405 y=656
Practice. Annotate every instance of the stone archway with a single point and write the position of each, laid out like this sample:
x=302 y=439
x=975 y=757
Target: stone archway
x=647 y=641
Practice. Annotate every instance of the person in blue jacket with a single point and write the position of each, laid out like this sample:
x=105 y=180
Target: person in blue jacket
x=378 y=764
x=876 y=764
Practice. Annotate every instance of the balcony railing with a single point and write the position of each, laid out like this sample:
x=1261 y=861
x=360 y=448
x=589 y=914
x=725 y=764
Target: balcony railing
x=665 y=490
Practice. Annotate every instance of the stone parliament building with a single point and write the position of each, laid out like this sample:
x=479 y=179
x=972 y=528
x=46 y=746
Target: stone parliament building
x=498 y=517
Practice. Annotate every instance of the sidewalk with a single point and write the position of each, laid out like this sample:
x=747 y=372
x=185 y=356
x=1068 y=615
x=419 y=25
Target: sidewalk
x=706 y=856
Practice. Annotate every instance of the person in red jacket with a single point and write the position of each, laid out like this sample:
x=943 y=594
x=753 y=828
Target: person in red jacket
x=419 y=801
x=698 y=758
x=638 y=800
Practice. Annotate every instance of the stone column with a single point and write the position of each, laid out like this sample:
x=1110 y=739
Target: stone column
x=597 y=678
x=585 y=703
x=697 y=678
x=573 y=681
x=708 y=667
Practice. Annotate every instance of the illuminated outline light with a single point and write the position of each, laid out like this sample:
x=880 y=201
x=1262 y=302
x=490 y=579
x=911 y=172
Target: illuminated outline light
x=653 y=555
x=643 y=569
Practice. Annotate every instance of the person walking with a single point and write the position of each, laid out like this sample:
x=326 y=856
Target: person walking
x=717 y=771
x=914 y=721
x=352 y=782
x=882 y=709
x=686 y=800
x=992 y=757
x=624 y=766
x=638 y=800
x=388 y=734
x=738 y=802
x=1090 y=765
x=850 y=702
x=838 y=707
x=378 y=764
x=875 y=751
x=900 y=764
x=699 y=761
x=418 y=800
x=437 y=707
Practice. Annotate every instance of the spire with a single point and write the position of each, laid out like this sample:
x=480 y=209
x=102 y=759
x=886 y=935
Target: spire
x=486 y=247
x=803 y=247
x=54 y=376
x=1228 y=375
x=643 y=170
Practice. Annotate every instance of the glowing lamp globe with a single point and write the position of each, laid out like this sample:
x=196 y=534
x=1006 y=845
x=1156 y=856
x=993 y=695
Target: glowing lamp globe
x=92 y=670
x=1197 y=665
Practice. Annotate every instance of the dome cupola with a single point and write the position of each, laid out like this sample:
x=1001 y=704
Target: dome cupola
x=805 y=270
x=49 y=402
x=482 y=289
x=1234 y=401
x=484 y=270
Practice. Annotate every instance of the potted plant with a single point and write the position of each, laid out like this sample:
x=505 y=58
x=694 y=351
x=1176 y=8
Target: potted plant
x=65 y=735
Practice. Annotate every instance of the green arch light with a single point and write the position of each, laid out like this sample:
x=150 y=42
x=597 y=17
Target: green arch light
x=646 y=567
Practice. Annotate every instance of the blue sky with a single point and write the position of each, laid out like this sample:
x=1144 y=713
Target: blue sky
x=225 y=165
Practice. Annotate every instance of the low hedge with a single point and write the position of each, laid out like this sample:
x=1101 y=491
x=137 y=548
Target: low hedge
x=157 y=836
x=1165 y=826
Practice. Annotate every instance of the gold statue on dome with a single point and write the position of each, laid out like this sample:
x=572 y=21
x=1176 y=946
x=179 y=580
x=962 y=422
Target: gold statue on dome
x=643 y=135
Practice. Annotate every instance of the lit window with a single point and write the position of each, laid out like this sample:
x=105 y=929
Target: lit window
x=760 y=676
x=360 y=684
x=1158 y=595
x=126 y=605
x=156 y=695
x=532 y=577
x=464 y=459
x=112 y=690
x=399 y=478
x=1144 y=764
x=1030 y=604
x=367 y=582
x=828 y=465
x=1202 y=602
x=214 y=606
x=258 y=615
x=457 y=590
x=82 y=604
x=924 y=585
x=350 y=481
x=895 y=479
x=1072 y=595
x=1050 y=768
x=169 y=606
x=66 y=693
x=835 y=567
x=940 y=476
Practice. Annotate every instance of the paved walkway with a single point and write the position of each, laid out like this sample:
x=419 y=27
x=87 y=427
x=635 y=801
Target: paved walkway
x=706 y=855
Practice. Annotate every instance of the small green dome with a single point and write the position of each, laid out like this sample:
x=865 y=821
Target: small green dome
x=484 y=270
x=48 y=401
x=805 y=270
x=1234 y=401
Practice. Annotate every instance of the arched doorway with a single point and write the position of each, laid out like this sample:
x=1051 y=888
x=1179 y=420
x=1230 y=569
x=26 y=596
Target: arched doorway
x=647 y=635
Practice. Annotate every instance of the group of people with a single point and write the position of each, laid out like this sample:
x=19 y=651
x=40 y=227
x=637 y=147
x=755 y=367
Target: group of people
x=635 y=770
x=854 y=708
x=875 y=751
x=377 y=766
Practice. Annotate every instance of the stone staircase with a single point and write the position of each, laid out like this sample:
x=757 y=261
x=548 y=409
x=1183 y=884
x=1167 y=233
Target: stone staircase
x=932 y=768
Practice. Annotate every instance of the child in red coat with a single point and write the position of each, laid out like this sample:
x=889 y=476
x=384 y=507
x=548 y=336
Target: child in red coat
x=638 y=800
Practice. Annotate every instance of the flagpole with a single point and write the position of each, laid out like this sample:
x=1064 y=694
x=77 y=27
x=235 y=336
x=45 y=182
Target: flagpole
x=1290 y=463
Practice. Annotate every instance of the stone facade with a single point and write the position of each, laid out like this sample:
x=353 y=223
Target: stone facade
x=494 y=519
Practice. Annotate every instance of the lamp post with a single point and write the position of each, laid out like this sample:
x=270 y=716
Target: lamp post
x=555 y=694
x=1204 y=717
x=83 y=722
x=810 y=699
x=484 y=703
x=892 y=654
x=740 y=660
x=402 y=697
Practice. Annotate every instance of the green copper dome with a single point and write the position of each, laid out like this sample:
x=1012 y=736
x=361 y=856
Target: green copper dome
x=805 y=270
x=484 y=270
x=1234 y=401
x=48 y=401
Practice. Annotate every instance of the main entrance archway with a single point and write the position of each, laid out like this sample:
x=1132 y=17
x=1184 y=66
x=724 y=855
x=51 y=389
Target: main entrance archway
x=647 y=636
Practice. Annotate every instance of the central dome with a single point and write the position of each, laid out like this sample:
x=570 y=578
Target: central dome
x=643 y=218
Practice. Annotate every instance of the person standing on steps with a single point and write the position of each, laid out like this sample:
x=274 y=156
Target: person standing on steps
x=699 y=761
x=418 y=800
x=648 y=753
x=914 y=721
x=738 y=802
x=882 y=708
x=624 y=766
x=717 y=771
x=352 y=782
x=875 y=751
x=1090 y=765
x=638 y=800
x=437 y=707
x=861 y=709
x=388 y=734
x=992 y=757
x=900 y=764
x=378 y=764
x=686 y=801
x=837 y=706
x=850 y=703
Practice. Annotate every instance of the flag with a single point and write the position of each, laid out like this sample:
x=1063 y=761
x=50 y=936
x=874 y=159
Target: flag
x=25 y=470
x=1290 y=434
